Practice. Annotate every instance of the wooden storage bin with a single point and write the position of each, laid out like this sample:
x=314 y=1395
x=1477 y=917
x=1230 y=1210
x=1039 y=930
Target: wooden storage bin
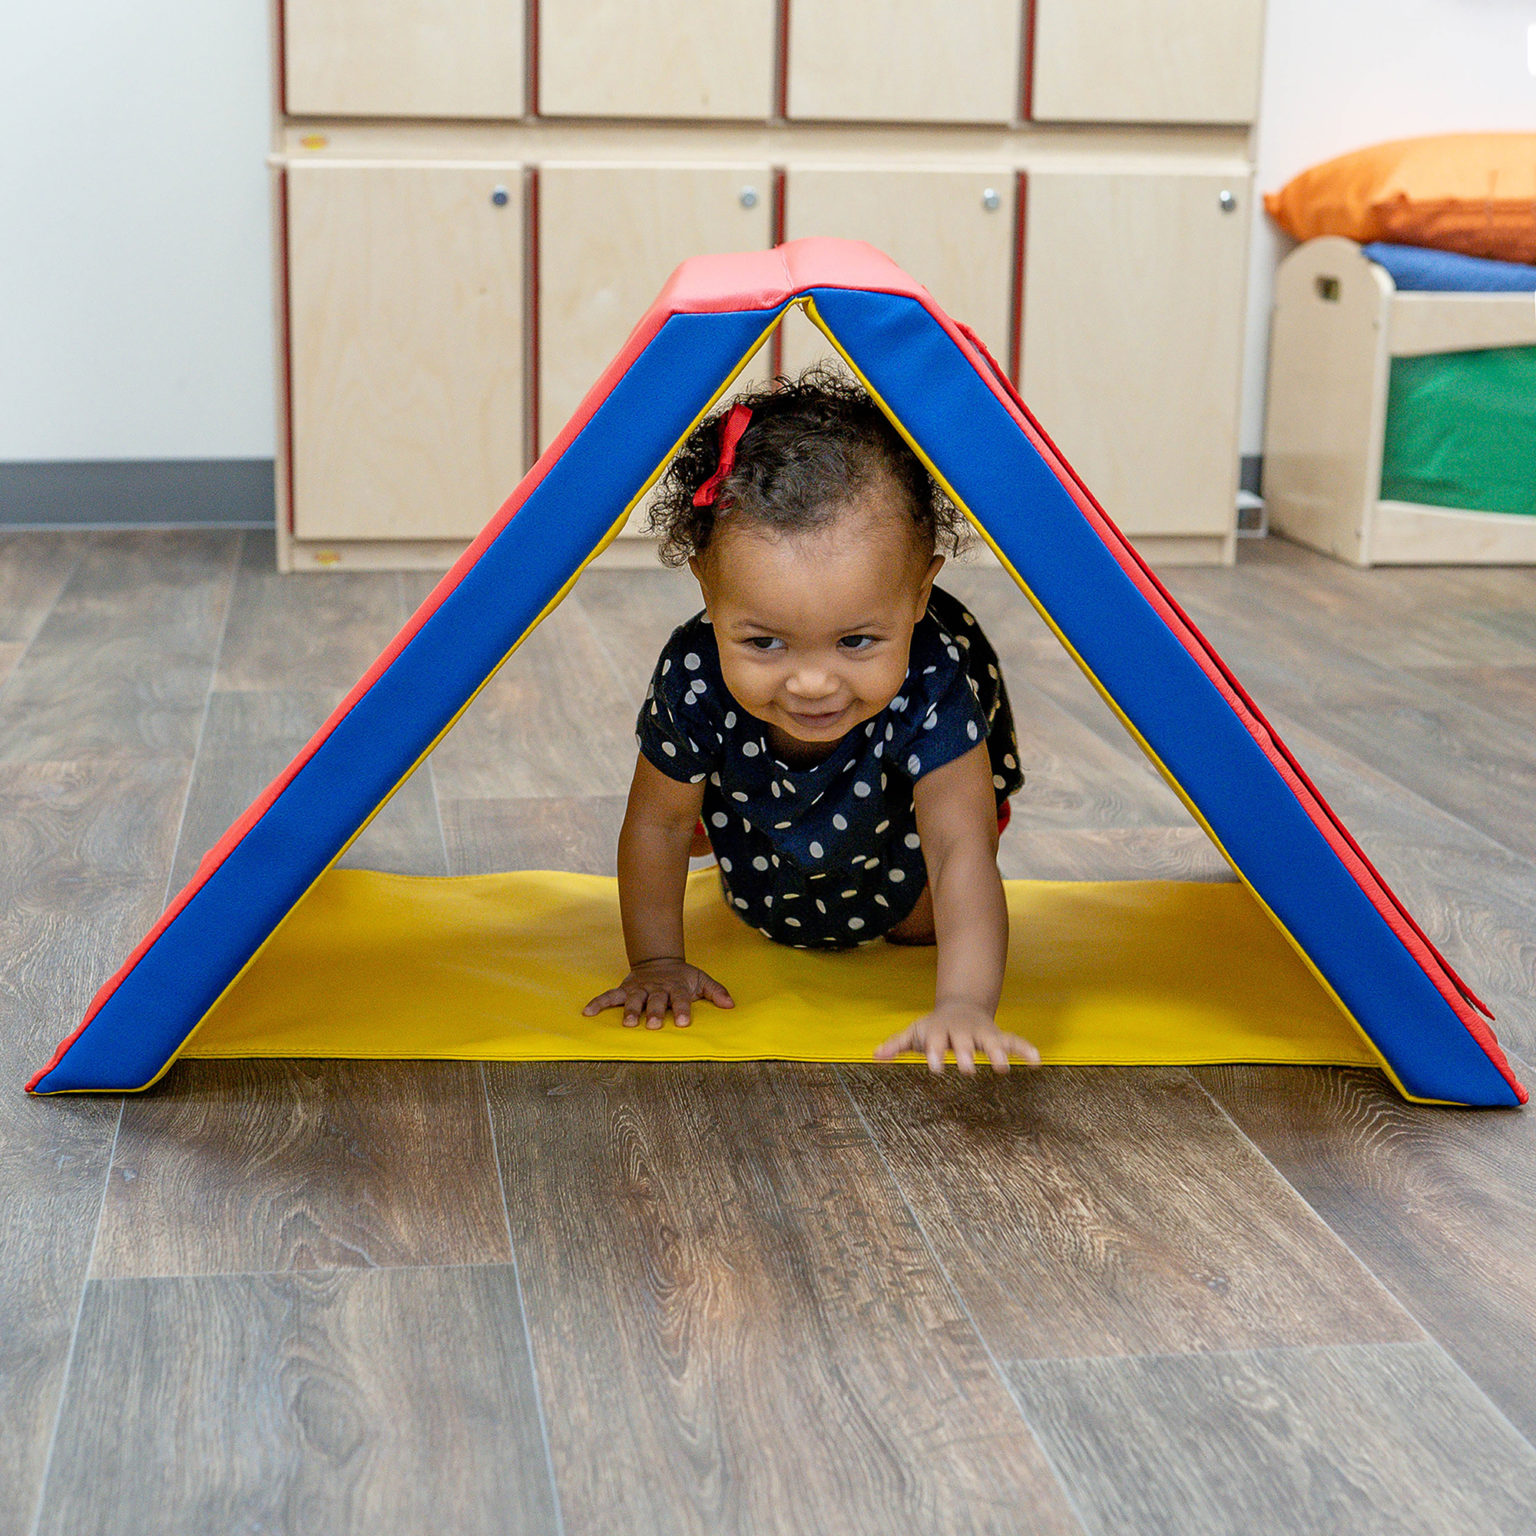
x=1338 y=323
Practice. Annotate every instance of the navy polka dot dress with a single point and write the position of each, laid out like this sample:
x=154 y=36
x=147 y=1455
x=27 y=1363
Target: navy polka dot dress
x=828 y=856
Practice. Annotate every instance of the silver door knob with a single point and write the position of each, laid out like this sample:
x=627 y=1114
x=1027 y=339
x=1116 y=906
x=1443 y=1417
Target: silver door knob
x=499 y=196
x=1228 y=200
x=749 y=197
x=991 y=200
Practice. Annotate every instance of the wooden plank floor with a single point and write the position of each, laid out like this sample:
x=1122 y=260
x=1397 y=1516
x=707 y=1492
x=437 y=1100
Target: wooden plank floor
x=573 y=1298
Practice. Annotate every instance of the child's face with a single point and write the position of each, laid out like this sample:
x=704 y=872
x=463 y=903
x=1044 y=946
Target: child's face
x=814 y=630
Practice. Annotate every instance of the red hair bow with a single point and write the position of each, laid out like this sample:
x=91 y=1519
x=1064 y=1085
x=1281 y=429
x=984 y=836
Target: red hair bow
x=732 y=425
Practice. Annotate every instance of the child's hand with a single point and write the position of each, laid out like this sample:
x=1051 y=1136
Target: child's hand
x=654 y=987
x=965 y=1029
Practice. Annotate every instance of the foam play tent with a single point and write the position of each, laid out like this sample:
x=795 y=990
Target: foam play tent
x=1401 y=1005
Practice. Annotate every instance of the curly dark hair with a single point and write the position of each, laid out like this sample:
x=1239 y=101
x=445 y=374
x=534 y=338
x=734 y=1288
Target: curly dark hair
x=812 y=443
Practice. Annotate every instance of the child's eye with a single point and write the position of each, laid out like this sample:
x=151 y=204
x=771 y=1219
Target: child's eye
x=856 y=642
x=764 y=642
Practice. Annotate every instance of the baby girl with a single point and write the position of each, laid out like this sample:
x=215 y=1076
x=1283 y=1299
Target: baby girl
x=839 y=723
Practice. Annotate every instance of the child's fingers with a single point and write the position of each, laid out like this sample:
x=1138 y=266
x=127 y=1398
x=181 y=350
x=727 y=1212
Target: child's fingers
x=936 y=1055
x=965 y=1056
x=613 y=998
x=996 y=1054
x=656 y=1009
x=1017 y=1045
x=710 y=988
x=634 y=1003
x=903 y=1040
x=682 y=1012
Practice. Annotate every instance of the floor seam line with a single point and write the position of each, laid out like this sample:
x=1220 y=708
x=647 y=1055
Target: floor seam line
x=1258 y=1151
x=437 y=812
x=522 y=1308
x=74 y=1332
x=1294 y=727
x=1387 y=1290
x=304 y=1272
x=202 y=722
x=1279 y=712
x=48 y=613
x=965 y=1311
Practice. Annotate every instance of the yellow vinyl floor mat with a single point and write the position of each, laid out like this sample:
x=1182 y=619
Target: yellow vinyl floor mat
x=498 y=967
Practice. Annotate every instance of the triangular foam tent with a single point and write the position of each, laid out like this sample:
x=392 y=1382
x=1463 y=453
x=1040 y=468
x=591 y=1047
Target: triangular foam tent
x=1407 y=1007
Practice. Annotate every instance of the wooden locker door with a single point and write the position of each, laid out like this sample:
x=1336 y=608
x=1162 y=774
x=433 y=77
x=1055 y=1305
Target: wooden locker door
x=925 y=61
x=1146 y=61
x=1133 y=338
x=950 y=229
x=656 y=58
x=403 y=58
x=406 y=343
x=609 y=237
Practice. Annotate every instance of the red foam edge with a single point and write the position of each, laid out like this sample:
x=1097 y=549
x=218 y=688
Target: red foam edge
x=765 y=280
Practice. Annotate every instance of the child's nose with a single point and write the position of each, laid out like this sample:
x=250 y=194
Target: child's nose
x=811 y=682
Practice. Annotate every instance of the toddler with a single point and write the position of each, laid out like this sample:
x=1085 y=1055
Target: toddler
x=838 y=721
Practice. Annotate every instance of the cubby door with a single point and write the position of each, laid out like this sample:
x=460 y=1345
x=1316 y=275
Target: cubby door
x=657 y=58
x=1133 y=338
x=405 y=287
x=609 y=237
x=1147 y=61
x=924 y=61
x=953 y=230
x=403 y=58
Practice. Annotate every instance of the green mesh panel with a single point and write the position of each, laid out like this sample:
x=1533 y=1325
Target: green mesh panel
x=1461 y=431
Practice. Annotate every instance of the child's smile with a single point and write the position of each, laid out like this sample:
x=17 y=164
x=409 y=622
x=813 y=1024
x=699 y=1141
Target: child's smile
x=814 y=629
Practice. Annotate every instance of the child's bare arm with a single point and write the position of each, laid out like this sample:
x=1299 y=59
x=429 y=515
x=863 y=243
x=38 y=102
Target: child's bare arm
x=957 y=821
x=653 y=875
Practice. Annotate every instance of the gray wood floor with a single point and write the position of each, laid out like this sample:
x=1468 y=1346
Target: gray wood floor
x=394 y=1297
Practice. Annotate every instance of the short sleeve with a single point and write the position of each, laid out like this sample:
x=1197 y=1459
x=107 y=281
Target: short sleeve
x=675 y=731
x=942 y=718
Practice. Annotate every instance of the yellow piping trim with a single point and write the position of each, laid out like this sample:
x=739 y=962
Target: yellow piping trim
x=548 y=609
x=1103 y=692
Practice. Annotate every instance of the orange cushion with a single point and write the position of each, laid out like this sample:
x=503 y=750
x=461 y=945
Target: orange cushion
x=1468 y=192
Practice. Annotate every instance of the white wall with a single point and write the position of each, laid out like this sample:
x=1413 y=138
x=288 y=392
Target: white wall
x=1341 y=74
x=135 y=317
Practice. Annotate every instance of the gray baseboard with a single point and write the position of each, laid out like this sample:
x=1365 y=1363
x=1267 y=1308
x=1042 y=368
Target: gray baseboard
x=186 y=493
x=137 y=493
